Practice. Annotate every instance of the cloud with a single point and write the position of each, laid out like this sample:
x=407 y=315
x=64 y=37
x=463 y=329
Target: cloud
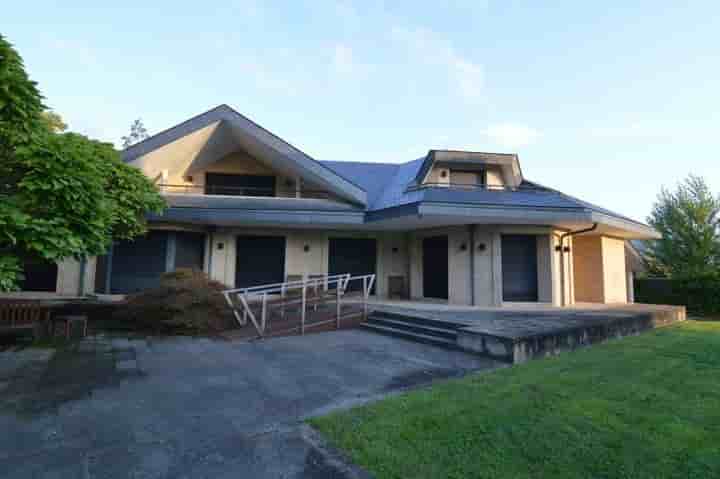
x=467 y=75
x=343 y=59
x=510 y=135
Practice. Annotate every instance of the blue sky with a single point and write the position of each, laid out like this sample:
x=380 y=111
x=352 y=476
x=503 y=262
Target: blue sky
x=602 y=100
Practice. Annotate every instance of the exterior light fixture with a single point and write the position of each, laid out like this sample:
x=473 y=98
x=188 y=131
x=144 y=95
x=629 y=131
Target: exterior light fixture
x=220 y=246
x=463 y=247
x=482 y=247
x=306 y=248
x=395 y=250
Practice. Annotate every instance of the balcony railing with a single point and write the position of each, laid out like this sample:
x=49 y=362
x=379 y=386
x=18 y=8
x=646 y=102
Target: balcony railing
x=478 y=186
x=243 y=191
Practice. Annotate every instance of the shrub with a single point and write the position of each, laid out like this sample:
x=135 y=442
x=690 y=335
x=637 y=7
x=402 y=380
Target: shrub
x=186 y=302
x=700 y=293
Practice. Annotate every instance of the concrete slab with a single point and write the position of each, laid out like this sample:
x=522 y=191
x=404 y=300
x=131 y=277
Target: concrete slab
x=199 y=407
x=516 y=334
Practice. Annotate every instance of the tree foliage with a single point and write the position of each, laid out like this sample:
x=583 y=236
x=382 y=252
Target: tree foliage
x=137 y=134
x=61 y=195
x=688 y=219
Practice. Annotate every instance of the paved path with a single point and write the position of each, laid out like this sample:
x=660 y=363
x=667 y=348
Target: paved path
x=192 y=408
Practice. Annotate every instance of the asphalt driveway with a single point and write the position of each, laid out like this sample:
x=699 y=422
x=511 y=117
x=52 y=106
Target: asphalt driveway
x=191 y=408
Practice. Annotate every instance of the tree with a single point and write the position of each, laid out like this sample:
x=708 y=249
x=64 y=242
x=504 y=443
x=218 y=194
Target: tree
x=137 y=134
x=62 y=195
x=53 y=121
x=688 y=219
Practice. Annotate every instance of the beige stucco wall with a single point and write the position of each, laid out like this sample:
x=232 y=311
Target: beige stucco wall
x=68 y=279
x=599 y=269
x=487 y=266
x=316 y=259
x=588 y=269
x=483 y=270
x=614 y=276
x=175 y=157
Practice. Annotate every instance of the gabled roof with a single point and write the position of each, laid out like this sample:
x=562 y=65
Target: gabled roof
x=281 y=153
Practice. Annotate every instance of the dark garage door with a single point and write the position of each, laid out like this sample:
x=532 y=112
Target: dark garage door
x=356 y=256
x=435 y=267
x=519 y=268
x=260 y=260
x=137 y=265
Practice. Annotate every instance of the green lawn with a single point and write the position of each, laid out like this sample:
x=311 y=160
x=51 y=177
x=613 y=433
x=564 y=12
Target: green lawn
x=646 y=406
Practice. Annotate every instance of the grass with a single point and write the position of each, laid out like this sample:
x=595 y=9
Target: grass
x=640 y=407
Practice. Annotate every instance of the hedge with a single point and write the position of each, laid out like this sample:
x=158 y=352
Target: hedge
x=700 y=294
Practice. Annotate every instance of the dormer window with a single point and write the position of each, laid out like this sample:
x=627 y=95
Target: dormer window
x=468 y=178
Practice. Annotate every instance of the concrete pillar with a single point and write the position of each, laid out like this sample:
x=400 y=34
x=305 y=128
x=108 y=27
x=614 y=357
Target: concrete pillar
x=483 y=267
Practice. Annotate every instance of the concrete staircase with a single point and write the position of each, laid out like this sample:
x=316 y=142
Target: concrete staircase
x=422 y=330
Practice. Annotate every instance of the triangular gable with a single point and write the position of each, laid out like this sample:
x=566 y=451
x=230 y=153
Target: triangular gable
x=278 y=153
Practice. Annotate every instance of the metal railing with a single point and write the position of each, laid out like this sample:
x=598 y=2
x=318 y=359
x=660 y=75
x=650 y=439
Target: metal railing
x=259 y=305
x=254 y=191
x=478 y=186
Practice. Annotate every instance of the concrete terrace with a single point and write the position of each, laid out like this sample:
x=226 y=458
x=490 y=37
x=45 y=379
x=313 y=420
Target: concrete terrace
x=520 y=332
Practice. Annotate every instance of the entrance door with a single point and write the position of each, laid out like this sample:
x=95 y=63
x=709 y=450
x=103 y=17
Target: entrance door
x=435 y=267
x=356 y=256
x=519 y=268
x=260 y=260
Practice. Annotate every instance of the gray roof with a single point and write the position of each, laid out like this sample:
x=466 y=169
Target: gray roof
x=381 y=188
x=390 y=186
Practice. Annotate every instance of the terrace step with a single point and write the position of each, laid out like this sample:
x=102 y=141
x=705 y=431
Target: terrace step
x=411 y=336
x=431 y=322
x=414 y=326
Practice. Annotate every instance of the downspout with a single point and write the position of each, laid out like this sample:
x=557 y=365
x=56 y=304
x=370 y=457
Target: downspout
x=472 y=264
x=561 y=248
x=83 y=268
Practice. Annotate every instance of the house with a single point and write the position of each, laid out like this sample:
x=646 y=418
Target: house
x=249 y=208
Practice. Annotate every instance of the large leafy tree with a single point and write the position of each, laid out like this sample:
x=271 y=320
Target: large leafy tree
x=61 y=194
x=689 y=220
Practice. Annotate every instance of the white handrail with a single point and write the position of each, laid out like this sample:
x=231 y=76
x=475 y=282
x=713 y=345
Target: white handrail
x=241 y=306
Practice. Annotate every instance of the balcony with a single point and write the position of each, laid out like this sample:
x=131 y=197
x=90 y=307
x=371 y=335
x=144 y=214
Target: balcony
x=243 y=191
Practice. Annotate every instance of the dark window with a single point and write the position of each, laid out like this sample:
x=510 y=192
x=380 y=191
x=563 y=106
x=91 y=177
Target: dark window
x=239 y=185
x=519 y=268
x=138 y=264
x=480 y=176
x=189 y=250
x=260 y=260
x=356 y=256
x=40 y=275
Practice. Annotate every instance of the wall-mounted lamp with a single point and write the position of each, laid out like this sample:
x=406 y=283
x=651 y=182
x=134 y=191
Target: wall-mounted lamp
x=396 y=250
x=463 y=247
x=220 y=246
x=443 y=174
x=190 y=179
x=482 y=247
x=306 y=248
x=566 y=249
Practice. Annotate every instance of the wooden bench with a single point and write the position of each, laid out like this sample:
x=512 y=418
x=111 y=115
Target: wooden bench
x=21 y=316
